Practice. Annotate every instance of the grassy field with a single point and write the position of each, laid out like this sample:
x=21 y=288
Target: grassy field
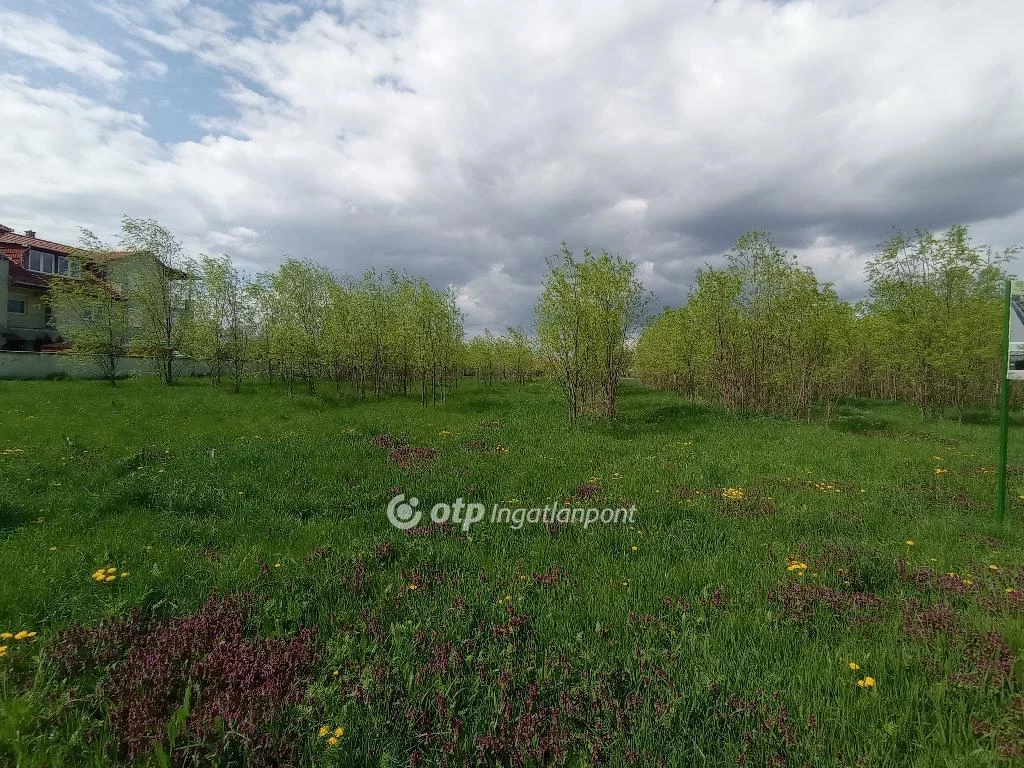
x=270 y=615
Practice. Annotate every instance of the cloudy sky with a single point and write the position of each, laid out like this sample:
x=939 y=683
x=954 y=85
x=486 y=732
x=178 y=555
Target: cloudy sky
x=464 y=140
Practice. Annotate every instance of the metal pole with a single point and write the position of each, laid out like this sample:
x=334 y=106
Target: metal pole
x=1004 y=407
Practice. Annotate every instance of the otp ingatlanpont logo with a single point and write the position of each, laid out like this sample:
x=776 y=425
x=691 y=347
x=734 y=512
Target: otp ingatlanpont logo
x=403 y=514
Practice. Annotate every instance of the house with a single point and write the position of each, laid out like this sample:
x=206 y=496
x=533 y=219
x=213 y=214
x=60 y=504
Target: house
x=27 y=265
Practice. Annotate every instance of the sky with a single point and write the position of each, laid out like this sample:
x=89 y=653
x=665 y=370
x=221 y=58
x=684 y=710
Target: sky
x=463 y=141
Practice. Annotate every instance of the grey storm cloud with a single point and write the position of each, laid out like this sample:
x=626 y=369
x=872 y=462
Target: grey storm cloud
x=465 y=141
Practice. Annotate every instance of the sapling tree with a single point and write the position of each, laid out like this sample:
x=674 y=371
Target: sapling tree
x=587 y=310
x=155 y=278
x=223 y=323
x=210 y=313
x=936 y=308
x=89 y=312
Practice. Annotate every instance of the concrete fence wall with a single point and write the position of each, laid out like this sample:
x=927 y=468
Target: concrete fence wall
x=41 y=365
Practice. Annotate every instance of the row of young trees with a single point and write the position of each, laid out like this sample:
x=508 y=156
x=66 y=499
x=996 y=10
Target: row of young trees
x=510 y=357
x=382 y=333
x=760 y=332
x=764 y=334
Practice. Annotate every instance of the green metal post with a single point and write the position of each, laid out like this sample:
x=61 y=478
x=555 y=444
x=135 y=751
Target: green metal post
x=1004 y=408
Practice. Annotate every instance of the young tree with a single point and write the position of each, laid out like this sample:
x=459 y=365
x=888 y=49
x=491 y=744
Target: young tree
x=210 y=313
x=92 y=315
x=299 y=296
x=155 y=279
x=586 y=311
x=935 y=310
x=223 y=319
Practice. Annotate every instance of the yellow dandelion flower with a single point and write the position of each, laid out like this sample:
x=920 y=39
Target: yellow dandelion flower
x=6 y=635
x=339 y=732
x=968 y=582
x=633 y=548
x=21 y=635
x=332 y=741
x=125 y=574
x=993 y=567
x=854 y=665
x=277 y=565
x=109 y=578
x=3 y=651
x=111 y=570
x=53 y=549
x=867 y=682
x=30 y=635
x=910 y=542
x=413 y=587
x=1010 y=590
x=324 y=730
x=940 y=471
x=797 y=567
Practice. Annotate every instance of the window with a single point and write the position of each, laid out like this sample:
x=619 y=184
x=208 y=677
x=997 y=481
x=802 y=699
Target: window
x=16 y=304
x=48 y=315
x=51 y=264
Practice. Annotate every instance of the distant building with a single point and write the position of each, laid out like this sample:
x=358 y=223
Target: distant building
x=27 y=266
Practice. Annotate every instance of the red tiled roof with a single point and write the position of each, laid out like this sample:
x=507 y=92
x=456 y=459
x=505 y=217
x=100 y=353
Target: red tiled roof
x=9 y=237
x=35 y=242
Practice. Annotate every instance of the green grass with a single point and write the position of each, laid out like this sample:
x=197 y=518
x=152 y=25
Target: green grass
x=196 y=491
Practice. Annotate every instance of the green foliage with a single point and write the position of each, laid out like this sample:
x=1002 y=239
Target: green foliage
x=763 y=334
x=931 y=325
x=584 y=316
x=382 y=332
x=90 y=313
x=155 y=282
x=511 y=357
x=222 y=322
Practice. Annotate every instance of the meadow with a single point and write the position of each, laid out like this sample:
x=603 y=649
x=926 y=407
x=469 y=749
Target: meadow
x=195 y=577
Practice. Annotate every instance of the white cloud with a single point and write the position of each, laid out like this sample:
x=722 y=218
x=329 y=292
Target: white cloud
x=47 y=42
x=464 y=141
x=268 y=17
